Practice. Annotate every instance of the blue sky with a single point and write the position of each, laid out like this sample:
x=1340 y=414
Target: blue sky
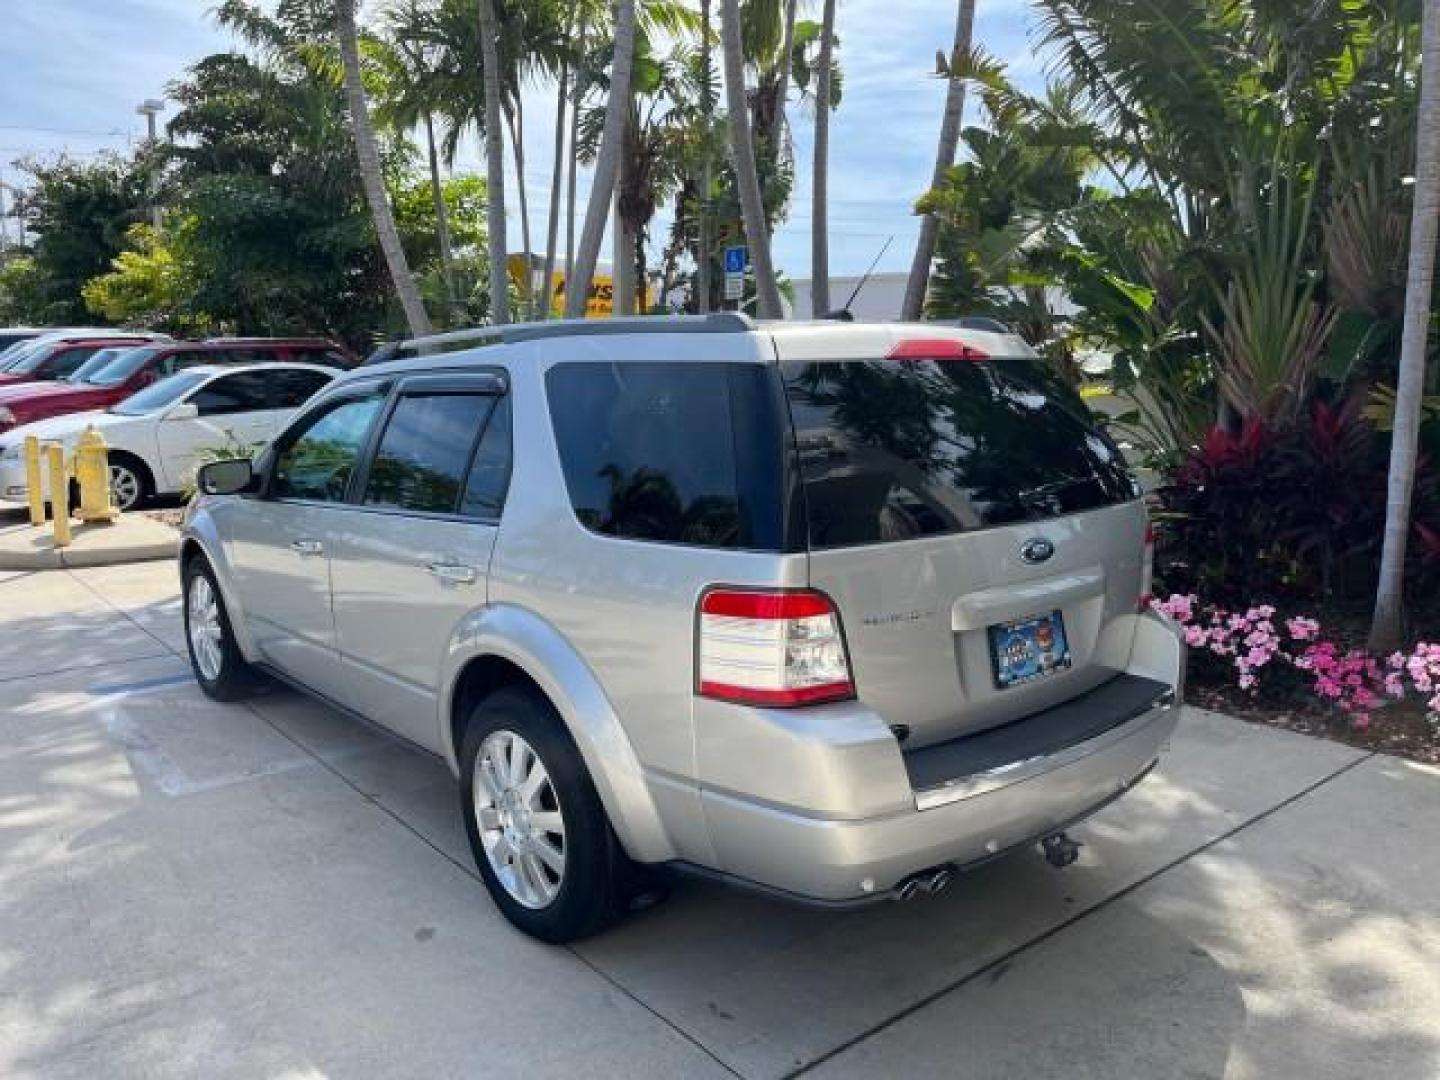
x=72 y=71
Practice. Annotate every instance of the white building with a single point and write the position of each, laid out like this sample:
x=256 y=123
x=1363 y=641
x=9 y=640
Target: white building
x=879 y=301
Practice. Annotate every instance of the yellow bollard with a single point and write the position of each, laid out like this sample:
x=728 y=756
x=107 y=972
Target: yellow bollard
x=59 y=493
x=92 y=472
x=34 y=491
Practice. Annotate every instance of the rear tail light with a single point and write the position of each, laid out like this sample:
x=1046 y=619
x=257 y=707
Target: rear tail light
x=1147 y=568
x=780 y=648
x=935 y=349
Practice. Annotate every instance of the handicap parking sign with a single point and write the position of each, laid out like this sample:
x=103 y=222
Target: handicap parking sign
x=735 y=260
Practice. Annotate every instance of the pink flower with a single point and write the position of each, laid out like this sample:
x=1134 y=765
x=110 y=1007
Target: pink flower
x=1302 y=629
x=1194 y=636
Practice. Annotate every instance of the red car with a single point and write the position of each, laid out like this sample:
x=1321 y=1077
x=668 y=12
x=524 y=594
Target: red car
x=57 y=357
x=111 y=376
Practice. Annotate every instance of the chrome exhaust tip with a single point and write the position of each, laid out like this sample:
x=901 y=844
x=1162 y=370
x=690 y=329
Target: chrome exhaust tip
x=940 y=880
x=908 y=889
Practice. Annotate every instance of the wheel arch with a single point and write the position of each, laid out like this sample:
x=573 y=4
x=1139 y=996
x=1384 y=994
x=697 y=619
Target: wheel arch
x=504 y=645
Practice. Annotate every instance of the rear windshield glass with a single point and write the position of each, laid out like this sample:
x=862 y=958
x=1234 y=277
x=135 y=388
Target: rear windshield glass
x=672 y=452
x=893 y=450
x=122 y=367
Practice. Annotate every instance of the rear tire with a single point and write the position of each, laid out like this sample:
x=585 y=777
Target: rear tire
x=527 y=797
x=215 y=658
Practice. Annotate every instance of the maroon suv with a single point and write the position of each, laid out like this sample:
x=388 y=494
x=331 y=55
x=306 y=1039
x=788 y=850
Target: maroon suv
x=109 y=376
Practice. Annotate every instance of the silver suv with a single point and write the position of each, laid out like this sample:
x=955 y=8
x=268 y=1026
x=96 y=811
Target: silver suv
x=828 y=610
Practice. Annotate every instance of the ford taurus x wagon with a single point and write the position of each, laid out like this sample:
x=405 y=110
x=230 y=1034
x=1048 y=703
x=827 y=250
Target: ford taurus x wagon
x=826 y=610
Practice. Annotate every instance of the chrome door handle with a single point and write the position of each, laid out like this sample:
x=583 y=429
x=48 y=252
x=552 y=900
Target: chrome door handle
x=307 y=547
x=452 y=573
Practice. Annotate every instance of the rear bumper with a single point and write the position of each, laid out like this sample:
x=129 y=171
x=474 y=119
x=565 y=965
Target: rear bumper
x=846 y=861
x=954 y=804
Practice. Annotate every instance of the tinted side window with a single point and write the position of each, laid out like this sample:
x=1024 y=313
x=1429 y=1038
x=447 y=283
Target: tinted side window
x=421 y=460
x=678 y=453
x=489 y=477
x=244 y=392
x=291 y=389
x=316 y=458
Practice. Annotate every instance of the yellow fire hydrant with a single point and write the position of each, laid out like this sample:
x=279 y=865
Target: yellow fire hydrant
x=92 y=472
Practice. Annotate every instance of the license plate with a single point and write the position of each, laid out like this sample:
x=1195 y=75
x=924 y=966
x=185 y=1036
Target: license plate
x=1028 y=649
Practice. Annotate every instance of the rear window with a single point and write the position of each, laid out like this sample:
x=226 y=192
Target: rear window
x=894 y=450
x=672 y=452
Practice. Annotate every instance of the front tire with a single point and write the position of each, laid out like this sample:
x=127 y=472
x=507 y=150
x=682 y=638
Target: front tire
x=130 y=483
x=536 y=826
x=215 y=659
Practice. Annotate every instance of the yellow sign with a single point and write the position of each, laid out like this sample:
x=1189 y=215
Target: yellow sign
x=600 y=304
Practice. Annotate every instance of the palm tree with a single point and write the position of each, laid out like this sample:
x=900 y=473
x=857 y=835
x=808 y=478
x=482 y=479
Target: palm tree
x=820 y=200
x=607 y=163
x=919 y=281
x=368 y=155
x=494 y=165
x=1388 y=624
x=557 y=178
x=747 y=180
x=412 y=94
x=707 y=110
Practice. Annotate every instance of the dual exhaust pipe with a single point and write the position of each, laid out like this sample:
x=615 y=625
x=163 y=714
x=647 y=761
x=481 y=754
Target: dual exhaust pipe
x=925 y=883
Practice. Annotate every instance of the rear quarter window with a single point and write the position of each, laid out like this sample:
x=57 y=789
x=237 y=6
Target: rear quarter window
x=674 y=453
x=894 y=450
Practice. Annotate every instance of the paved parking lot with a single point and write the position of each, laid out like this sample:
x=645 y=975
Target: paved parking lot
x=266 y=890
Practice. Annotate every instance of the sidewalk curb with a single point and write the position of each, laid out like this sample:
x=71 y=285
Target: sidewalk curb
x=131 y=539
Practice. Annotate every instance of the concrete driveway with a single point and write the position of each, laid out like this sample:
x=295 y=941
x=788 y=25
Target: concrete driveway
x=265 y=890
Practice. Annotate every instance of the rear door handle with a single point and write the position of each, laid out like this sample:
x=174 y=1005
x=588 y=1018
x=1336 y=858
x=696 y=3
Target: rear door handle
x=307 y=547
x=452 y=573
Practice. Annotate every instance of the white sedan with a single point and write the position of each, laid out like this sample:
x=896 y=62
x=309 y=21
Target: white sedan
x=156 y=437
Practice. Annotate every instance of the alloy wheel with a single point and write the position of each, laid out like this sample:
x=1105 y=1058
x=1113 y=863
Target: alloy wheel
x=204 y=627
x=124 y=487
x=518 y=814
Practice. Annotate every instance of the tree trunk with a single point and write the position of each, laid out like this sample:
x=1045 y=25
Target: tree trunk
x=707 y=112
x=494 y=166
x=442 y=221
x=751 y=205
x=368 y=156
x=820 y=199
x=919 y=282
x=574 y=164
x=623 y=260
x=515 y=121
x=607 y=162
x=1388 y=626
x=557 y=179
x=782 y=76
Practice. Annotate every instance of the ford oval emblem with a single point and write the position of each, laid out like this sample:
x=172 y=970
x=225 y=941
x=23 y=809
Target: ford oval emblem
x=1036 y=550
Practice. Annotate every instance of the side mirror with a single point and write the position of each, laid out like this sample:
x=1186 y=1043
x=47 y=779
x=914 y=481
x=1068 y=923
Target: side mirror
x=225 y=477
x=186 y=410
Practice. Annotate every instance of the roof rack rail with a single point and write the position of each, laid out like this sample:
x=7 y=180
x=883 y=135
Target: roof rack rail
x=720 y=322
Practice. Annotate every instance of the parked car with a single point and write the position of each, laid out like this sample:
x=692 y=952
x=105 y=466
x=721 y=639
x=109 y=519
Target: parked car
x=302 y=350
x=56 y=356
x=13 y=335
x=829 y=611
x=156 y=436
x=114 y=375
x=15 y=339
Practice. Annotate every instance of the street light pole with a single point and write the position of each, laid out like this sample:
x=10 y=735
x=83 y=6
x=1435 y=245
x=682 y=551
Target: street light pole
x=150 y=108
